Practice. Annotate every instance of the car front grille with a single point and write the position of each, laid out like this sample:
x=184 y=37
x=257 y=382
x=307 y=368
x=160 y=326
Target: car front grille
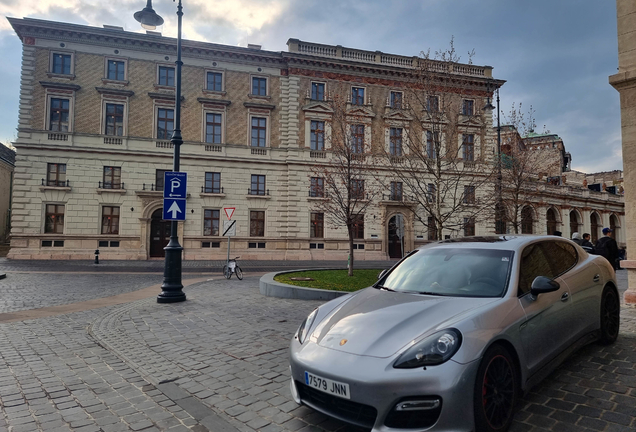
x=352 y=412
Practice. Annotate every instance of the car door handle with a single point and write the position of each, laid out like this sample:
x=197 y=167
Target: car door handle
x=596 y=278
x=565 y=297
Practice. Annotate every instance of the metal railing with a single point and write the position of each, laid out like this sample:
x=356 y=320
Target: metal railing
x=109 y=185
x=212 y=190
x=261 y=192
x=151 y=187
x=56 y=183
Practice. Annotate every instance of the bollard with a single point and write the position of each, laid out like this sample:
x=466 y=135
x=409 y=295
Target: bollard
x=96 y=256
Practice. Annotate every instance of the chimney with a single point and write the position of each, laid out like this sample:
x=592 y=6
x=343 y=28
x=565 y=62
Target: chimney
x=254 y=46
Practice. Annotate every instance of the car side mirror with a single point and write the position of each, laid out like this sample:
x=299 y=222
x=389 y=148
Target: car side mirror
x=382 y=273
x=542 y=285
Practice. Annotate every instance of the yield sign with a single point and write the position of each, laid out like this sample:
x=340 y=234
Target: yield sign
x=229 y=211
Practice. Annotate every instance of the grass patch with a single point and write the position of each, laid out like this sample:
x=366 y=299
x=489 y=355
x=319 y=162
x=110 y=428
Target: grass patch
x=335 y=280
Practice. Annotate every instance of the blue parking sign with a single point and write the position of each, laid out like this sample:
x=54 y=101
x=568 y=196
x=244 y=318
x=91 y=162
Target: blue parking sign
x=175 y=184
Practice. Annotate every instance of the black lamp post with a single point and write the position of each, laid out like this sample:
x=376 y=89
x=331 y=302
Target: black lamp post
x=499 y=212
x=172 y=288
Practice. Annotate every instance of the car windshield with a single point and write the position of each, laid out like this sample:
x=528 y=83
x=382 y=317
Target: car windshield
x=451 y=272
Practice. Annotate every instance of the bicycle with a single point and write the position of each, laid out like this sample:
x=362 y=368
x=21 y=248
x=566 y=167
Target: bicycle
x=232 y=267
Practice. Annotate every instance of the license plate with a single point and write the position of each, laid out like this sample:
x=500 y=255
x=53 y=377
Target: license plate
x=326 y=385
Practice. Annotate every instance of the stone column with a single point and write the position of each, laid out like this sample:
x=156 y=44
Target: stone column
x=625 y=82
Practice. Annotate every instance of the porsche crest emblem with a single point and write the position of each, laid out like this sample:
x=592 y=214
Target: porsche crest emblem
x=342 y=342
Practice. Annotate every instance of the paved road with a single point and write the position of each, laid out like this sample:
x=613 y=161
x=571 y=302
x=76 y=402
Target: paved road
x=218 y=362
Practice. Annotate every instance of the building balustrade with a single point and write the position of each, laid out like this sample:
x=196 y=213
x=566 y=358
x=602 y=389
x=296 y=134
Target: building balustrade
x=261 y=192
x=110 y=185
x=212 y=190
x=56 y=183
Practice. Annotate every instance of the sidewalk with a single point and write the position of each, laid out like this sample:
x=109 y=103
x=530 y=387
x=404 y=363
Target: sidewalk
x=218 y=362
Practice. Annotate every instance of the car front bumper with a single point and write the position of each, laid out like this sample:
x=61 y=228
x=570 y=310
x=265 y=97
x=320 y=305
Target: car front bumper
x=376 y=388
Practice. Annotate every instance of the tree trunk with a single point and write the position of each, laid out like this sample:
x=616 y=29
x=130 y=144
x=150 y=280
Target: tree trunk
x=350 y=261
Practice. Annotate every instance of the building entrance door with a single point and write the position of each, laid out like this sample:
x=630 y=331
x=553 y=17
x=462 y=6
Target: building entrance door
x=396 y=236
x=159 y=234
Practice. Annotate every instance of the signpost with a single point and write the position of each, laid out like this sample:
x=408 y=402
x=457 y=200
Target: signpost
x=174 y=195
x=229 y=230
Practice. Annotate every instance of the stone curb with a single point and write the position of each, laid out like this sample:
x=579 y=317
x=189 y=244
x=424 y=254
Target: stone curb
x=270 y=288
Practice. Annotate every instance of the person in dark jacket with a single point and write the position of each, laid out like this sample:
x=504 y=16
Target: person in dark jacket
x=587 y=244
x=576 y=238
x=607 y=247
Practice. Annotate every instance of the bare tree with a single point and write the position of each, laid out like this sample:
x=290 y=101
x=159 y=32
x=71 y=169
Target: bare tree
x=521 y=168
x=345 y=179
x=437 y=147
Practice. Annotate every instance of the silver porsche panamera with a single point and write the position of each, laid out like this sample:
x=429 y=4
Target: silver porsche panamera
x=450 y=337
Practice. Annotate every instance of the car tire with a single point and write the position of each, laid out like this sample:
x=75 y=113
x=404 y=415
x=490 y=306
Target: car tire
x=496 y=391
x=610 y=316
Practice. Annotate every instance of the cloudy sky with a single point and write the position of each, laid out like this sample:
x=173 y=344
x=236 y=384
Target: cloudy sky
x=556 y=56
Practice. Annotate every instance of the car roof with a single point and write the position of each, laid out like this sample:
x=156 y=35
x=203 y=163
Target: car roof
x=512 y=242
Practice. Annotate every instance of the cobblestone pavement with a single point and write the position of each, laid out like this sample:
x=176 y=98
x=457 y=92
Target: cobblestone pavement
x=218 y=362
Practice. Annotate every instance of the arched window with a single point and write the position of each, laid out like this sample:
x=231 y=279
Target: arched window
x=551 y=221
x=527 y=220
x=574 y=222
x=614 y=226
x=595 y=222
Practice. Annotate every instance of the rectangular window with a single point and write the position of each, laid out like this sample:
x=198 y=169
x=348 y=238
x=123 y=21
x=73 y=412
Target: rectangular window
x=468 y=107
x=396 y=191
x=61 y=64
x=214 y=81
x=259 y=86
x=114 y=119
x=116 y=70
x=58 y=117
x=357 y=95
x=396 y=100
x=259 y=131
x=211 y=220
x=166 y=76
x=56 y=175
x=432 y=104
x=469 y=227
x=110 y=220
x=258 y=185
x=432 y=229
x=357 y=189
x=317 y=229
x=159 y=177
x=54 y=221
x=317 y=135
x=318 y=91
x=395 y=142
x=212 y=182
x=357 y=139
x=358 y=227
x=431 y=192
x=112 y=178
x=317 y=189
x=431 y=140
x=257 y=224
x=468 y=146
x=469 y=195
x=165 y=123
x=213 y=128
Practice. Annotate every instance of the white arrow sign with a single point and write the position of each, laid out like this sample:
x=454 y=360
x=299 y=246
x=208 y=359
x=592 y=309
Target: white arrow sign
x=174 y=209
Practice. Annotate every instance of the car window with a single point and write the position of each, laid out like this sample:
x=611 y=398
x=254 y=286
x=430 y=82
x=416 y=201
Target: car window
x=561 y=255
x=533 y=263
x=451 y=272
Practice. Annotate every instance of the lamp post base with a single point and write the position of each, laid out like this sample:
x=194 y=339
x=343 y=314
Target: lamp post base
x=172 y=288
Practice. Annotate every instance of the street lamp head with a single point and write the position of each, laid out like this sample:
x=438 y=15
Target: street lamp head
x=488 y=106
x=148 y=18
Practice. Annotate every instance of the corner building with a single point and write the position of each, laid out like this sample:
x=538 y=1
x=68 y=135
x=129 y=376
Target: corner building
x=96 y=118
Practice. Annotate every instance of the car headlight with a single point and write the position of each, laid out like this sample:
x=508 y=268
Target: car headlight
x=430 y=351
x=303 y=330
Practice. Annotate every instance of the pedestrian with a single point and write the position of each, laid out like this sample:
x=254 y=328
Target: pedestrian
x=576 y=238
x=587 y=244
x=607 y=247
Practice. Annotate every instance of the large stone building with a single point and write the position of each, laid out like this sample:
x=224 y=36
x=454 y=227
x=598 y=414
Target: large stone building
x=625 y=82
x=7 y=164
x=97 y=112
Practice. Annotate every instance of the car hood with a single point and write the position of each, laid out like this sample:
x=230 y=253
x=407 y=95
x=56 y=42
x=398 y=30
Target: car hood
x=379 y=323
